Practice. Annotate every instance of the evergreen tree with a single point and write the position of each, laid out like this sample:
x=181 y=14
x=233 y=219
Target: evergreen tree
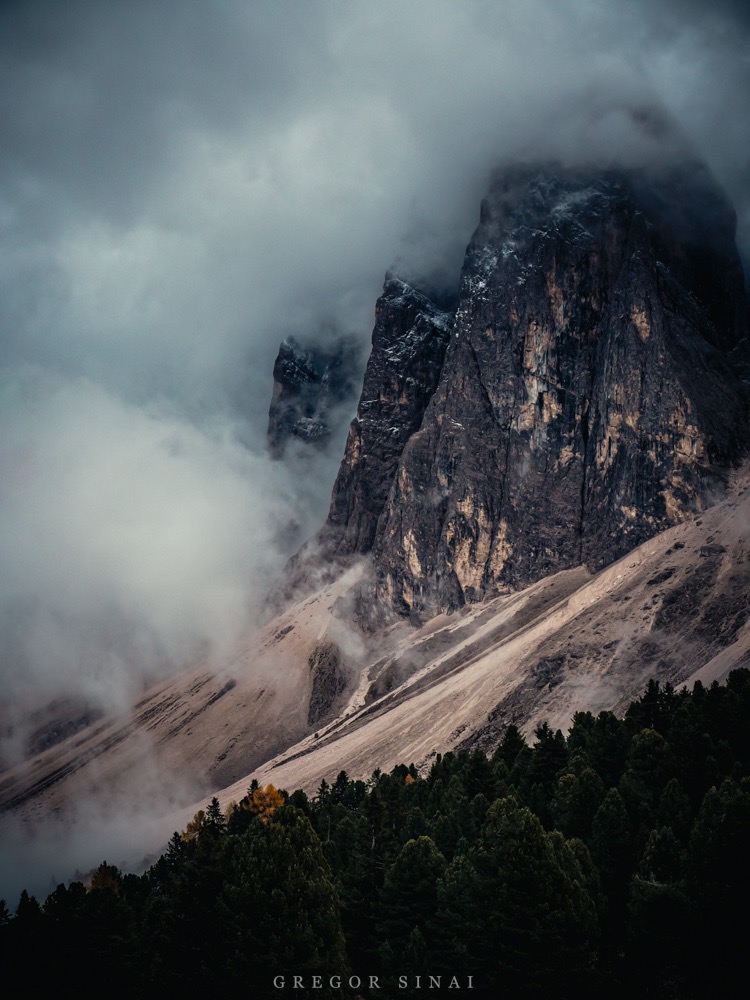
x=29 y=927
x=611 y=847
x=109 y=933
x=415 y=961
x=215 y=821
x=648 y=768
x=605 y=742
x=460 y=920
x=673 y=809
x=658 y=920
x=175 y=851
x=357 y=882
x=279 y=902
x=409 y=897
x=539 y=916
x=611 y=841
x=718 y=885
x=510 y=746
x=575 y=802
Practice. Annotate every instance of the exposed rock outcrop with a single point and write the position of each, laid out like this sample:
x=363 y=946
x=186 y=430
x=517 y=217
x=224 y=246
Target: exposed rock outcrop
x=328 y=680
x=590 y=396
x=308 y=384
x=408 y=347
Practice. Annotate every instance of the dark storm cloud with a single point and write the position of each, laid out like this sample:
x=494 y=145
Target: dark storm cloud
x=100 y=95
x=184 y=184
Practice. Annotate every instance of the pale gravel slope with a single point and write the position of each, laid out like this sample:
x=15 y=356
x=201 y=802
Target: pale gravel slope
x=593 y=650
x=676 y=608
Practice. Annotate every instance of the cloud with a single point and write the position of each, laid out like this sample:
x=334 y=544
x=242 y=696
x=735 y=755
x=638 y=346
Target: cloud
x=182 y=186
x=113 y=822
x=133 y=541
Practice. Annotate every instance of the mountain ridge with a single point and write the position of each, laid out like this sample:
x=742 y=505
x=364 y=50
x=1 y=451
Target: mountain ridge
x=614 y=631
x=573 y=367
x=583 y=410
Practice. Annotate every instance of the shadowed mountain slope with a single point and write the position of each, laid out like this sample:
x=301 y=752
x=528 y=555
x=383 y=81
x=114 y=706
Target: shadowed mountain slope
x=591 y=393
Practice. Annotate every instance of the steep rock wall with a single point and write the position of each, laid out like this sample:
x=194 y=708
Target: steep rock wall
x=408 y=347
x=309 y=384
x=589 y=397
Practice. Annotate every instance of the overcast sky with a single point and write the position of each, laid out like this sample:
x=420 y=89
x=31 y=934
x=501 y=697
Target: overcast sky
x=182 y=184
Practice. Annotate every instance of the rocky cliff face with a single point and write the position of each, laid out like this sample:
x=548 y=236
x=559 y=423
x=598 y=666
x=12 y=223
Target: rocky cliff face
x=590 y=394
x=408 y=348
x=308 y=384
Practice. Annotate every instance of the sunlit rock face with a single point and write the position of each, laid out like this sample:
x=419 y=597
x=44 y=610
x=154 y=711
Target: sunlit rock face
x=590 y=395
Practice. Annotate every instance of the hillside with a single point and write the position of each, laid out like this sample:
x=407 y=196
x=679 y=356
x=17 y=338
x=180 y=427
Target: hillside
x=539 y=508
x=676 y=609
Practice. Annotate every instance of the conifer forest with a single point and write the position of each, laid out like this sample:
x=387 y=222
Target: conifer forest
x=609 y=862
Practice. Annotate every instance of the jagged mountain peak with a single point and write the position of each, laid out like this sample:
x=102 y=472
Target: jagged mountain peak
x=408 y=346
x=586 y=394
x=400 y=291
x=310 y=382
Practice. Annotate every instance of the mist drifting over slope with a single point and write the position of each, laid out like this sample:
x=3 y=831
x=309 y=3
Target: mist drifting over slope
x=182 y=186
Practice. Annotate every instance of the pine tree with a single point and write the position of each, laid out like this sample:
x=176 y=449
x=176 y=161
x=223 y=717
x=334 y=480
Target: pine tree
x=510 y=746
x=611 y=841
x=215 y=821
x=537 y=910
x=611 y=847
x=279 y=902
x=673 y=809
x=175 y=851
x=575 y=802
x=605 y=742
x=409 y=897
x=658 y=919
x=648 y=768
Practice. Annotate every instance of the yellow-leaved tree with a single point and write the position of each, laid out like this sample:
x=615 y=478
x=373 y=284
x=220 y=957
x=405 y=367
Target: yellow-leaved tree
x=263 y=802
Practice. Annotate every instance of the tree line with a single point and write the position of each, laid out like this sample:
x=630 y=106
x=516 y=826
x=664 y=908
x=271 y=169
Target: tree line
x=611 y=860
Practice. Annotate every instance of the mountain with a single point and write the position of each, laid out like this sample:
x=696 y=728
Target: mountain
x=309 y=384
x=541 y=505
x=591 y=393
x=675 y=608
x=408 y=349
